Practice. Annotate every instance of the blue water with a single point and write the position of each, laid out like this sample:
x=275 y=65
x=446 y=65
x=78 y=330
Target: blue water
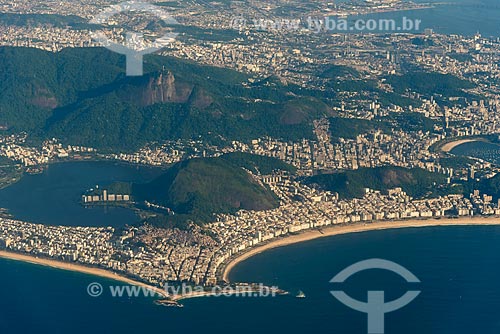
x=462 y=17
x=458 y=267
x=54 y=197
x=482 y=150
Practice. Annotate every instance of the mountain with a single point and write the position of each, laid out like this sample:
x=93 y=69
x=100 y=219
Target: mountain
x=350 y=184
x=34 y=83
x=197 y=188
x=338 y=72
x=83 y=97
x=429 y=83
x=43 y=20
x=405 y=121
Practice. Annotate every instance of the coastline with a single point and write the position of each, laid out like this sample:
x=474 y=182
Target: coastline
x=448 y=147
x=304 y=236
x=313 y=234
x=173 y=300
x=77 y=268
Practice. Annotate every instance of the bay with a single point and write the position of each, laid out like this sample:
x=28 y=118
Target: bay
x=461 y=17
x=458 y=268
x=487 y=151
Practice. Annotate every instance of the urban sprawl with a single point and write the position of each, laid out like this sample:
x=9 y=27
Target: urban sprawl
x=198 y=254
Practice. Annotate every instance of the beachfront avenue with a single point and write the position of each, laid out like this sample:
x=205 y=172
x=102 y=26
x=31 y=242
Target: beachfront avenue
x=200 y=254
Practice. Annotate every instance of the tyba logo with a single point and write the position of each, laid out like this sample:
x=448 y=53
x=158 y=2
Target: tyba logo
x=376 y=307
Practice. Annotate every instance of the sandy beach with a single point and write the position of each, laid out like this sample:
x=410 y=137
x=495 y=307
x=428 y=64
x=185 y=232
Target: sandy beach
x=288 y=240
x=451 y=145
x=355 y=228
x=76 y=268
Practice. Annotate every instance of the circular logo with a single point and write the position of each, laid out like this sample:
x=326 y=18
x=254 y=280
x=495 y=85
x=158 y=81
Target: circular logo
x=135 y=6
x=135 y=46
x=94 y=289
x=376 y=307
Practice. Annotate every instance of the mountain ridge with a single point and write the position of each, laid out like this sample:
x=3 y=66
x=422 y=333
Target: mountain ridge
x=83 y=97
x=198 y=188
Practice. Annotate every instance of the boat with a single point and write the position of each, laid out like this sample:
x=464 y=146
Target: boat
x=300 y=294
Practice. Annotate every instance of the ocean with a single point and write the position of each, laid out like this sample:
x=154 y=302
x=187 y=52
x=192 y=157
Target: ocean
x=457 y=266
x=482 y=150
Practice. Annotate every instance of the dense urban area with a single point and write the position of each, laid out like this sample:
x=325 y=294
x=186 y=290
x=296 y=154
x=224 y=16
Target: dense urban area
x=366 y=131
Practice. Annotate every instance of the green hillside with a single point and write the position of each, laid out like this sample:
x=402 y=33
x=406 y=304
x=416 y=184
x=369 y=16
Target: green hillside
x=352 y=127
x=196 y=189
x=55 y=20
x=34 y=83
x=339 y=72
x=487 y=186
x=429 y=83
x=83 y=97
x=350 y=184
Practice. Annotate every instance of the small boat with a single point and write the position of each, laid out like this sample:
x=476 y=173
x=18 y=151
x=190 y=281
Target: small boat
x=300 y=294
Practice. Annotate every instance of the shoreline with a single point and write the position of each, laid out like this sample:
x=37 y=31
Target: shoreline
x=313 y=234
x=67 y=266
x=304 y=236
x=374 y=11
x=103 y=273
x=448 y=147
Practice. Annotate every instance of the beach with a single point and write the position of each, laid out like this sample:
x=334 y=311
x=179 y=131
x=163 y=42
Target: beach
x=451 y=145
x=306 y=235
x=104 y=274
x=77 y=268
x=355 y=228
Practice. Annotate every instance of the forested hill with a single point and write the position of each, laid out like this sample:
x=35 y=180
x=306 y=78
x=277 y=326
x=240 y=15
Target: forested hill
x=197 y=189
x=351 y=184
x=82 y=96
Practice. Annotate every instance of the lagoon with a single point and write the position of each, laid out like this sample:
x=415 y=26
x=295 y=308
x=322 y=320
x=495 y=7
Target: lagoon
x=53 y=197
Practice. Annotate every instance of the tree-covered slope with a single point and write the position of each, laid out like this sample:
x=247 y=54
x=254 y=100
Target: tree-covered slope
x=83 y=97
x=198 y=188
x=350 y=184
x=429 y=84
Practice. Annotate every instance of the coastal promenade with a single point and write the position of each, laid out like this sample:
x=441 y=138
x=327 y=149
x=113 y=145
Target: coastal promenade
x=355 y=228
